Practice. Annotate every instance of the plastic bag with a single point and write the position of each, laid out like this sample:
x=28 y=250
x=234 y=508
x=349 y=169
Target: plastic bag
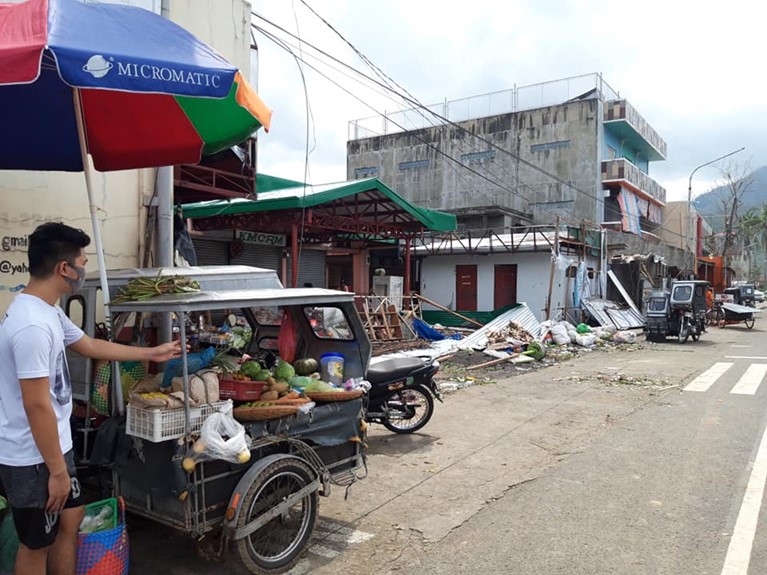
x=221 y=437
x=194 y=361
x=286 y=340
x=586 y=340
x=559 y=334
x=625 y=337
x=583 y=328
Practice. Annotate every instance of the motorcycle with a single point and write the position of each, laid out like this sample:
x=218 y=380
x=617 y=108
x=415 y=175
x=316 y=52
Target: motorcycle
x=402 y=394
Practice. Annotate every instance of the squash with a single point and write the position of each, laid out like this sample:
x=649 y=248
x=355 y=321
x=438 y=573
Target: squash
x=305 y=366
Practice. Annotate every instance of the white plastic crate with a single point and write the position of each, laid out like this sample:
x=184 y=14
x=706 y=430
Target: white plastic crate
x=158 y=425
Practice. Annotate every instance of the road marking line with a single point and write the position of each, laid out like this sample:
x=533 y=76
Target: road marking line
x=744 y=357
x=751 y=380
x=739 y=551
x=736 y=345
x=708 y=377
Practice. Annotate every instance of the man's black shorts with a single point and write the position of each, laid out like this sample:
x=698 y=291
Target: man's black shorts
x=27 y=493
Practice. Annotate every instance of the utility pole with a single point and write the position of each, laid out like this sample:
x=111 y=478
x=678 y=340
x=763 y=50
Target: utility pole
x=689 y=236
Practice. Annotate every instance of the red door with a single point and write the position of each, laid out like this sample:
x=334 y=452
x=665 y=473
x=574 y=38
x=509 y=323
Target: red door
x=466 y=288
x=505 y=285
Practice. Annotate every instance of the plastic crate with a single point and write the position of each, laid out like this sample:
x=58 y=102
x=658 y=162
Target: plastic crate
x=240 y=390
x=158 y=425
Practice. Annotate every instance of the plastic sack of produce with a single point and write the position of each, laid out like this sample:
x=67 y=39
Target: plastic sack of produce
x=221 y=437
x=203 y=386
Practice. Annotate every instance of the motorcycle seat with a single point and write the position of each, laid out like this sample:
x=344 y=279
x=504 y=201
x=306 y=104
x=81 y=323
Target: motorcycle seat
x=395 y=368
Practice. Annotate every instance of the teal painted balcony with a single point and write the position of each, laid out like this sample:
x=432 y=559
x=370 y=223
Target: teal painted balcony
x=622 y=120
x=623 y=172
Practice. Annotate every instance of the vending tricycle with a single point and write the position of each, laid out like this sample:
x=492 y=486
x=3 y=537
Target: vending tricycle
x=266 y=506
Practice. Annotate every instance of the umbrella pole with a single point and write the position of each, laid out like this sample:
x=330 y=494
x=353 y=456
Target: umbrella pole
x=118 y=395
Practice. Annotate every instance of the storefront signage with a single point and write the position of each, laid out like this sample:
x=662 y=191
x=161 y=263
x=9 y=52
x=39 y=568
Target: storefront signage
x=261 y=238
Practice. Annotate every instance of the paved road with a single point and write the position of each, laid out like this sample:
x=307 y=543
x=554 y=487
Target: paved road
x=562 y=470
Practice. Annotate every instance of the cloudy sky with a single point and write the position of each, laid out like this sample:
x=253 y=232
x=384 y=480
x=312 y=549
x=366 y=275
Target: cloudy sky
x=693 y=69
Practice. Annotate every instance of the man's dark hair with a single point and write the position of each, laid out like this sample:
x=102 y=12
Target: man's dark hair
x=52 y=243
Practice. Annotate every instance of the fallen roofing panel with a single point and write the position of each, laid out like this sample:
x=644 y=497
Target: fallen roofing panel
x=609 y=313
x=520 y=314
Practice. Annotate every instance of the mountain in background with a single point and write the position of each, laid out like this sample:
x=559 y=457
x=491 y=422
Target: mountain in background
x=710 y=205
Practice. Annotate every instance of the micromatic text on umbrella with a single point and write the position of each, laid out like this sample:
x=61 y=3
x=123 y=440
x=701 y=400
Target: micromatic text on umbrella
x=98 y=67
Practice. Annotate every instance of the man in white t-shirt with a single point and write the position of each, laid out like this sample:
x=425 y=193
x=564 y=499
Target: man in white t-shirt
x=37 y=466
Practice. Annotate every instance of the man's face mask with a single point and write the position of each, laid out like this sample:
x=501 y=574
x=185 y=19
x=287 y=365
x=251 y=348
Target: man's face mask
x=75 y=285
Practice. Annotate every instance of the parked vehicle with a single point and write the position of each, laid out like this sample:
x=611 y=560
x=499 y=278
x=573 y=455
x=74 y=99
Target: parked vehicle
x=403 y=392
x=758 y=296
x=265 y=504
x=742 y=294
x=729 y=313
x=679 y=312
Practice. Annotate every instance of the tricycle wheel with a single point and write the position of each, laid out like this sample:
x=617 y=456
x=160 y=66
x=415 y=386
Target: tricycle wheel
x=750 y=322
x=408 y=410
x=278 y=544
x=720 y=320
x=684 y=331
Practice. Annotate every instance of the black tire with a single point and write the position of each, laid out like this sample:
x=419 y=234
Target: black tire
x=684 y=331
x=415 y=406
x=695 y=335
x=720 y=320
x=277 y=545
x=749 y=322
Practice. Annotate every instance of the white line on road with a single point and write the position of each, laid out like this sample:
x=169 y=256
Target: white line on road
x=736 y=345
x=739 y=551
x=751 y=380
x=708 y=377
x=744 y=357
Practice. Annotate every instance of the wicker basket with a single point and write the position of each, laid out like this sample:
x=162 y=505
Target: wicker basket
x=263 y=413
x=328 y=396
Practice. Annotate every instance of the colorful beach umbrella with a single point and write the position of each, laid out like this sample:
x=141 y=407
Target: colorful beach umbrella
x=120 y=83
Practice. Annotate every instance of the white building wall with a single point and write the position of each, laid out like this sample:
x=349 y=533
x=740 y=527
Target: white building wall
x=31 y=198
x=533 y=273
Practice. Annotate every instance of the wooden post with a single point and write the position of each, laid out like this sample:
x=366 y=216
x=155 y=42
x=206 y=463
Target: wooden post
x=294 y=254
x=443 y=308
x=406 y=291
x=554 y=256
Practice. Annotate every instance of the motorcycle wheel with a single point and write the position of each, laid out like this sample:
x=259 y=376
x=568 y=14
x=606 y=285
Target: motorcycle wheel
x=695 y=335
x=684 y=331
x=408 y=409
x=720 y=320
x=750 y=322
x=279 y=543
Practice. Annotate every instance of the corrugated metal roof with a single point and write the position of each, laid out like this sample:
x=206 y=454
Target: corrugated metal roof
x=521 y=314
x=609 y=313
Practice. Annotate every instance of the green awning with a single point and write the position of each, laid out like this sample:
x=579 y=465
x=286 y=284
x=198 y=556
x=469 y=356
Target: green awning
x=282 y=194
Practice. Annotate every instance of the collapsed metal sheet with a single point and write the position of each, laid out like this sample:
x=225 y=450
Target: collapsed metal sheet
x=609 y=313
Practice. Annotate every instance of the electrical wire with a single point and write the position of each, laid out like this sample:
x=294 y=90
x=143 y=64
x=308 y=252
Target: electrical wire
x=416 y=104
x=386 y=83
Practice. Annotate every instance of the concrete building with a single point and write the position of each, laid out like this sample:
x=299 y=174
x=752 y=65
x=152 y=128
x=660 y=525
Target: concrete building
x=570 y=148
x=31 y=198
x=570 y=151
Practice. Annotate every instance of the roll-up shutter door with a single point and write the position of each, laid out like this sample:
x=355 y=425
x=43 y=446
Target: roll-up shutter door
x=311 y=268
x=267 y=257
x=211 y=252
